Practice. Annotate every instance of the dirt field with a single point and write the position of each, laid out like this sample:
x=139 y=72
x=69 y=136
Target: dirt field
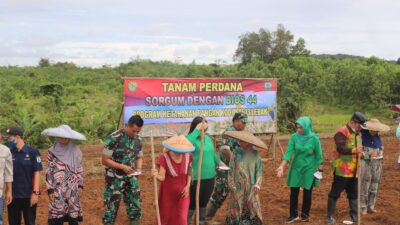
x=274 y=193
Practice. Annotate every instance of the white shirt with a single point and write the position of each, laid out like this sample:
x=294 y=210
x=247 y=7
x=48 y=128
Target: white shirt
x=6 y=167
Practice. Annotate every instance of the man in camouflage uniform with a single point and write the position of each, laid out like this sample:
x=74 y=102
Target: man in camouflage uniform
x=227 y=145
x=122 y=156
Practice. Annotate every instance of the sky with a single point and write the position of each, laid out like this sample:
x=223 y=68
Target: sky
x=108 y=32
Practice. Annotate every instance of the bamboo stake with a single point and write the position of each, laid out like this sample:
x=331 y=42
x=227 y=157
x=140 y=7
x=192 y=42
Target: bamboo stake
x=359 y=189
x=155 y=180
x=199 y=172
x=358 y=184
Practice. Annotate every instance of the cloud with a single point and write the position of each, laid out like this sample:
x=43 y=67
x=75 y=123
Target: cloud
x=113 y=53
x=96 y=32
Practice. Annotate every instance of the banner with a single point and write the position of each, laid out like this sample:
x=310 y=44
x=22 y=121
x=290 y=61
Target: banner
x=168 y=105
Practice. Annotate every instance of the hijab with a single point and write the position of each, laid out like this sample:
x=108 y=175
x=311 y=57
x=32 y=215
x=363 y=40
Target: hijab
x=69 y=154
x=308 y=133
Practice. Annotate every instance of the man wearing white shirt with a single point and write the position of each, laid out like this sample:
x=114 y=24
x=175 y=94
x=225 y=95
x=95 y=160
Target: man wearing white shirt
x=6 y=177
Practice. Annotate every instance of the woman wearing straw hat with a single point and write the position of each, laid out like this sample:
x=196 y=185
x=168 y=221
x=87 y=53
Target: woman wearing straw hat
x=64 y=176
x=175 y=174
x=371 y=164
x=304 y=152
x=244 y=180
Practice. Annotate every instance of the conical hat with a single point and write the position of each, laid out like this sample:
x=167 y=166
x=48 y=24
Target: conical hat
x=64 y=131
x=247 y=137
x=178 y=144
x=375 y=125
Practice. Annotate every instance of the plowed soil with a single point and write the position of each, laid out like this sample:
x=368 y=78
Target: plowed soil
x=274 y=193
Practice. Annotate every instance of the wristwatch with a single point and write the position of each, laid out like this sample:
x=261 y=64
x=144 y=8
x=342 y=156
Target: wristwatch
x=36 y=192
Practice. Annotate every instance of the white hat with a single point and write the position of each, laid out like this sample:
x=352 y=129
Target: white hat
x=64 y=131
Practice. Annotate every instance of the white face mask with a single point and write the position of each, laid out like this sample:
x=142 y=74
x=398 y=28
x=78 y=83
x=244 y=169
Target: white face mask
x=355 y=131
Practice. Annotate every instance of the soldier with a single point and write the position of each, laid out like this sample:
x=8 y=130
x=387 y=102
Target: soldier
x=122 y=157
x=221 y=188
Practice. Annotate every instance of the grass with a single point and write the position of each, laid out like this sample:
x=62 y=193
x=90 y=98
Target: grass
x=329 y=123
x=327 y=119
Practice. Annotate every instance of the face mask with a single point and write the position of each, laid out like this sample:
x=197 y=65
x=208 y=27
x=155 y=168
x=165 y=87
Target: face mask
x=11 y=144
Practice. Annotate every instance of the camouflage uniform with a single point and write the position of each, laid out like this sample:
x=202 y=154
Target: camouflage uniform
x=125 y=150
x=221 y=188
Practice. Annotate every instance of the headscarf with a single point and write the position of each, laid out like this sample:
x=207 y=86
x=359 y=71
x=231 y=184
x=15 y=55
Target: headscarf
x=69 y=154
x=308 y=133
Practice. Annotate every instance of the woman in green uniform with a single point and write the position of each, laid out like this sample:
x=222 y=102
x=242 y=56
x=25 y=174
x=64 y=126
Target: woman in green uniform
x=210 y=161
x=305 y=156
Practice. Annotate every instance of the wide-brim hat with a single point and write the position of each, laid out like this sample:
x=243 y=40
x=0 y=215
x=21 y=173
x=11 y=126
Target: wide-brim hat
x=375 y=125
x=64 y=131
x=178 y=144
x=248 y=137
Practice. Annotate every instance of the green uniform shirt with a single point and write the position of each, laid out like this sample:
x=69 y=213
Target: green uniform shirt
x=122 y=149
x=226 y=141
x=210 y=159
x=305 y=154
x=229 y=141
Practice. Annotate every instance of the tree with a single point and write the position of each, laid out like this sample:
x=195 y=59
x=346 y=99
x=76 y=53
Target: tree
x=254 y=45
x=300 y=48
x=282 y=40
x=44 y=62
x=268 y=47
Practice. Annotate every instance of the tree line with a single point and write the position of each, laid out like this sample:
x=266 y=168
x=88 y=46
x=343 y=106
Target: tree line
x=89 y=99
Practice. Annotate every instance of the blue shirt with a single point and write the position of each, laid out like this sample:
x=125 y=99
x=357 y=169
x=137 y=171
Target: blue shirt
x=25 y=163
x=370 y=141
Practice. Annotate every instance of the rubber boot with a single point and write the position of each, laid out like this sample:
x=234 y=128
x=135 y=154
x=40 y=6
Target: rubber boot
x=202 y=212
x=190 y=215
x=331 y=210
x=353 y=210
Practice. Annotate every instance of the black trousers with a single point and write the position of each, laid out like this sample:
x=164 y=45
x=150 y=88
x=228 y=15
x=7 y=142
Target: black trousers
x=294 y=201
x=18 y=206
x=343 y=183
x=60 y=221
x=206 y=189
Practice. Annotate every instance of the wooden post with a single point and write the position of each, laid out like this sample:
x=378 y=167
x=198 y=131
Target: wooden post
x=120 y=115
x=270 y=142
x=280 y=147
x=155 y=180
x=199 y=172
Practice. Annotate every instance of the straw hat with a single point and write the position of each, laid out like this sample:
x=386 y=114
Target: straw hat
x=64 y=131
x=247 y=137
x=178 y=144
x=375 y=125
